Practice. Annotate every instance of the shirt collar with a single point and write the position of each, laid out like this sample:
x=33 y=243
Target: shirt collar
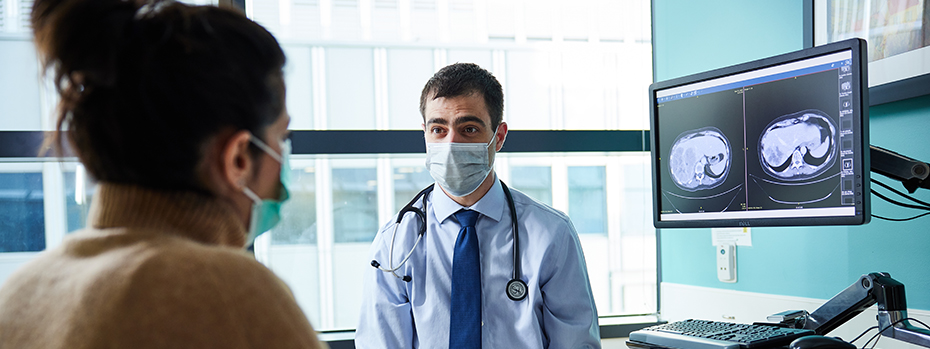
x=490 y=205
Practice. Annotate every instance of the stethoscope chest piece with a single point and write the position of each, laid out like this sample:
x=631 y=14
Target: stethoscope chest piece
x=516 y=289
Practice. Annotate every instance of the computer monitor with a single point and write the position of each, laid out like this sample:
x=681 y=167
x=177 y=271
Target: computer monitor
x=774 y=142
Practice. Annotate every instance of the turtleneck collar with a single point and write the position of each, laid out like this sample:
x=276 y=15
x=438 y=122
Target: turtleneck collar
x=191 y=215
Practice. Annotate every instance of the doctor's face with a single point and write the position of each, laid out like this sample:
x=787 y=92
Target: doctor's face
x=460 y=119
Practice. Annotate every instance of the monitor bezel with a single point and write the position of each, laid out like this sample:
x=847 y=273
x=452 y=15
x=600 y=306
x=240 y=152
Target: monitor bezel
x=860 y=114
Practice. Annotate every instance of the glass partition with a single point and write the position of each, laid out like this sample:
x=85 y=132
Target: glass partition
x=605 y=195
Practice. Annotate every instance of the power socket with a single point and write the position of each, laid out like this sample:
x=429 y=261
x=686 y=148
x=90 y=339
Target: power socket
x=726 y=263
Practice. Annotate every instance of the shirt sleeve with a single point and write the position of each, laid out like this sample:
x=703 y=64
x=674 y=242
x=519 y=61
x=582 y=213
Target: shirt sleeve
x=386 y=319
x=569 y=312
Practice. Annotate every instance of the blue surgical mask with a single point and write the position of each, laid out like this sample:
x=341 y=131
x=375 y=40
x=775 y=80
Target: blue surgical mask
x=460 y=168
x=266 y=213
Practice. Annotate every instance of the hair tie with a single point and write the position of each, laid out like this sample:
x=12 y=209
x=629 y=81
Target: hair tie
x=151 y=8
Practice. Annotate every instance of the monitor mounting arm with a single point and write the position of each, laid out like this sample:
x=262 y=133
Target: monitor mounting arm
x=870 y=289
x=912 y=173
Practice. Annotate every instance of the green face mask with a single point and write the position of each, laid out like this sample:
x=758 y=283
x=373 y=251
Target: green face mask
x=266 y=213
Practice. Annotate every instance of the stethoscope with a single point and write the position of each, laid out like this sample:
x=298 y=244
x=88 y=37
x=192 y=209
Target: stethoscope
x=516 y=288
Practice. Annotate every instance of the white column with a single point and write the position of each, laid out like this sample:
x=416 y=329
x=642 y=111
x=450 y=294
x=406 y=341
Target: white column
x=318 y=63
x=556 y=90
x=326 y=18
x=440 y=58
x=364 y=13
x=560 y=184
x=385 y=188
x=442 y=20
x=614 y=188
x=382 y=110
x=325 y=241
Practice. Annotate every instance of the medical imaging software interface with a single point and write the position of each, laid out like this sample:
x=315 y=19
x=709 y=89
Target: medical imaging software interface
x=774 y=142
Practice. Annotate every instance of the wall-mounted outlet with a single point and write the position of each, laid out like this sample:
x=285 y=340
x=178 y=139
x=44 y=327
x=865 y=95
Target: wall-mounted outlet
x=726 y=262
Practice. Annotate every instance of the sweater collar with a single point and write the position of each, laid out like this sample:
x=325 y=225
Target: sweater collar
x=187 y=214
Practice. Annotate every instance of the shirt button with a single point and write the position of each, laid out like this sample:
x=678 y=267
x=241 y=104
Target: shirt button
x=482 y=323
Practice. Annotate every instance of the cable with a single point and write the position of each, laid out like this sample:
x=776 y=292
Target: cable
x=921 y=322
x=879 y=334
x=895 y=202
x=863 y=333
x=898 y=202
x=887 y=327
x=906 y=196
x=901 y=219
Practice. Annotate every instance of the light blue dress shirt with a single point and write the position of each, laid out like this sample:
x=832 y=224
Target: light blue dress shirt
x=558 y=311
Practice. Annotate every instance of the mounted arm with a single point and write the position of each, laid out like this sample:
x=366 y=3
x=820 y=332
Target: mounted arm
x=912 y=173
x=870 y=289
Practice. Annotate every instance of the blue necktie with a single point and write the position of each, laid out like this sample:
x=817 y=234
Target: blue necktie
x=465 y=319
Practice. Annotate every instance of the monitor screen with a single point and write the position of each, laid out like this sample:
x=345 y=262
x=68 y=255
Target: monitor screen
x=778 y=141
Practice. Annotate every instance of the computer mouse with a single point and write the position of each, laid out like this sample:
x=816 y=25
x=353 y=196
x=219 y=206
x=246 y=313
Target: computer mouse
x=820 y=342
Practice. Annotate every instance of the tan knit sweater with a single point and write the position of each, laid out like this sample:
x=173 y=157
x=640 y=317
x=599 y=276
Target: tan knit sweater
x=157 y=270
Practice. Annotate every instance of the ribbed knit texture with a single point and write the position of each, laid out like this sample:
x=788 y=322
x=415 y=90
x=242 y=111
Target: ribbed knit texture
x=157 y=270
x=187 y=214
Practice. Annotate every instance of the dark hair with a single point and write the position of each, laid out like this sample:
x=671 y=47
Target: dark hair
x=461 y=79
x=144 y=87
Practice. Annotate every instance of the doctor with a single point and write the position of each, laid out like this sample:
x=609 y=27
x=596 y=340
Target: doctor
x=454 y=291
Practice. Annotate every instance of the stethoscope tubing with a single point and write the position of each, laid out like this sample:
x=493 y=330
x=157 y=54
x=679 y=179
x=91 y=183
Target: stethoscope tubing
x=516 y=233
x=516 y=288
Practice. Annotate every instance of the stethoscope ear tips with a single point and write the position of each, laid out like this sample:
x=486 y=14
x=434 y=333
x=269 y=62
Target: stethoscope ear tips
x=377 y=265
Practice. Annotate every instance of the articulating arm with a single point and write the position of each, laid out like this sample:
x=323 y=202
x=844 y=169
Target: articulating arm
x=870 y=289
x=911 y=172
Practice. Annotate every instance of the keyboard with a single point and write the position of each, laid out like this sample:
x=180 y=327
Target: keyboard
x=703 y=334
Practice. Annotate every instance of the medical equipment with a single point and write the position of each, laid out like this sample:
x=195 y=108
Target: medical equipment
x=516 y=288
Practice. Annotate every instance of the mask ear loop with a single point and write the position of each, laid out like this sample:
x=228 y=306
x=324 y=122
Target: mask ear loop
x=493 y=140
x=273 y=154
x=251 y=194
x=264 y=147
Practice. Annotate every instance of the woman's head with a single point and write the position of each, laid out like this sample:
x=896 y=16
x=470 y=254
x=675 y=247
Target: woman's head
x=145 y=88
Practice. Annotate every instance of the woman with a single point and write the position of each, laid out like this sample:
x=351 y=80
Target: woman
x=178 y=112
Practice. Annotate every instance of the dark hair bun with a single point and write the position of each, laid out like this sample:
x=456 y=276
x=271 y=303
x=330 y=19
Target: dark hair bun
x=83 y=35
x=144 y=86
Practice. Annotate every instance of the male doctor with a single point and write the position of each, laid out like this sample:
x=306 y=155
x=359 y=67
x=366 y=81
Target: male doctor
x=459 y=273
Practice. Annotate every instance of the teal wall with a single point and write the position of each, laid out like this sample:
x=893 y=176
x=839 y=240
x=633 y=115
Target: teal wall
x=694 y=36
x=815 y=262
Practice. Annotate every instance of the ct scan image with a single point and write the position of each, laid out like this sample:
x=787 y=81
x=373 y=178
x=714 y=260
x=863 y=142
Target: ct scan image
x=792 y=148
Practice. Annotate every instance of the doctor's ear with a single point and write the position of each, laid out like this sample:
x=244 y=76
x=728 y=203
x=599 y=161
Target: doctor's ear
x=236 y=160
x=501 y=135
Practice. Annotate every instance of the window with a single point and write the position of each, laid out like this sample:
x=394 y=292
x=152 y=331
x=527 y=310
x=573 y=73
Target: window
x=79 y=192
x=360 y=65
x=22 y=215
x=355 y=204
x=408 y=182
x=298 y=216
x=587 y=199
x=534 y=181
